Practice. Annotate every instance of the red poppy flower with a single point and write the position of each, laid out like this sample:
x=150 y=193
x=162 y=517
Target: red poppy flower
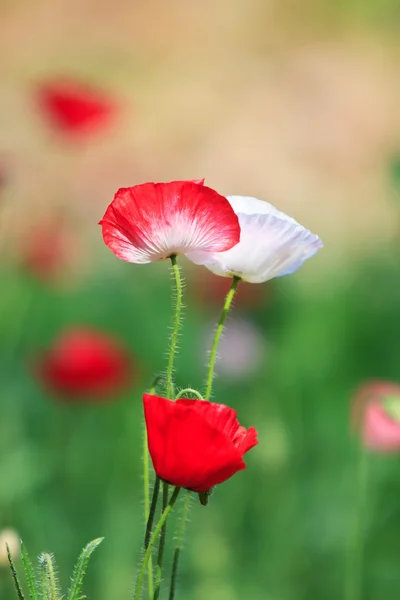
x=74 y=108
x=48 y=251
x=195 y=444
x=85 y=362
x=376 y=413
x=153 y=221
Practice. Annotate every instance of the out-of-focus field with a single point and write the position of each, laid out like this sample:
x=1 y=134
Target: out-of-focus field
x=294 y=102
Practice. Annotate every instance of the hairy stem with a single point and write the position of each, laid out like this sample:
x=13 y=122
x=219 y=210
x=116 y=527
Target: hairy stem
x=189 y=391
x=178 y=545
x=149 y=509
x=213 y=354
x=153 y=539
x=161 y=546
x=175 y=331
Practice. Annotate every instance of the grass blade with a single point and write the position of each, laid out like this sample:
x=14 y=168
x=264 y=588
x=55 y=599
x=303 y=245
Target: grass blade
x=17 y=584
x=30 y=575
x=74 y=592
x=50 y=585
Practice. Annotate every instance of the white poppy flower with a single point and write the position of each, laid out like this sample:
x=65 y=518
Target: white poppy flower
x=271 y=244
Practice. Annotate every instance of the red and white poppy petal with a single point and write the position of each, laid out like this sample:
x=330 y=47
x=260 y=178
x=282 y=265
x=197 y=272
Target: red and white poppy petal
x=185 y=449
x=270 y=246
x=152 y=221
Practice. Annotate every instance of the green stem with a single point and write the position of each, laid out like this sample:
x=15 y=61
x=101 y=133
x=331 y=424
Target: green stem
x=178 y=546
x=49 y=584
x=353 y=579
x=213 y=355
x=153 y=539
x=17 y=584
x=189 y=391
x=169 y=394
x=149 y=509
x=161 y=547
x=175 y=331
x=152 y=513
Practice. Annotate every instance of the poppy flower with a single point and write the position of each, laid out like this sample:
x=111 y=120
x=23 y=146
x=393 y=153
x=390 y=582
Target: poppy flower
x=152 y=221
x=195 y=444
x=85 y=362
x=376 y=413
x=48 y=251
x=271 y=244
x=74 y=108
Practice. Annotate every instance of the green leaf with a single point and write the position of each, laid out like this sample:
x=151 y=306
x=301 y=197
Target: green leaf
x=17 y=584
x=50 y=585
x=80 y=570
x=29 y=573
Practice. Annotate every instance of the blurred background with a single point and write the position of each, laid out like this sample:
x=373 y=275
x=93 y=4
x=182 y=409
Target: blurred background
x=292 y=101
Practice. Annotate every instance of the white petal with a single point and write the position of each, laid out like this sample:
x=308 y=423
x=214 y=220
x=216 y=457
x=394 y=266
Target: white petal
x=272 y=244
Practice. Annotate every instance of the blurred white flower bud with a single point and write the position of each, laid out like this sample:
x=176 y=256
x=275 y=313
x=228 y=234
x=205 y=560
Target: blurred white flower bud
x=9 y=536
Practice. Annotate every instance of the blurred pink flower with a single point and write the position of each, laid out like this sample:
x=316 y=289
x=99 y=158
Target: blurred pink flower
x=73 y=108
x=376 y=413
x=87 y=364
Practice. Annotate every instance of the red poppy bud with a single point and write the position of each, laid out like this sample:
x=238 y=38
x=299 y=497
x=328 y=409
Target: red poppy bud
x=85 y=363
x=195 y=444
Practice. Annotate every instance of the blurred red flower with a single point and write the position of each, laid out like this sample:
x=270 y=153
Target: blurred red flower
x=87 y=363
x=195 y=444
x=74 y=108
x=152 y=221
x=47 y=250
x=376 y=413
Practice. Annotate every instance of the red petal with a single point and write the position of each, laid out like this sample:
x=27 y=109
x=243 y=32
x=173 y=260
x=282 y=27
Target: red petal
x=224 y=419
x=185 y=448
x=151 y=221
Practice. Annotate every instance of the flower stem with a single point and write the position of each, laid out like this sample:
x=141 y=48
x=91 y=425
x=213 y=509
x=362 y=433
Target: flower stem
x=153 y=539
x=161 y=547
x=189 y=391
x=353 y=579
x=178 y=546
x=213 y=355
x=149 y=509
x=175 y=331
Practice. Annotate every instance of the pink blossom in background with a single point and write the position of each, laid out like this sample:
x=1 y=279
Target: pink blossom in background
x=376 y=413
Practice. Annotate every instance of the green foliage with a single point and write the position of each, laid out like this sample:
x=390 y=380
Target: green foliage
x=277 y=530
x=17 y=584
x=74 y=592
x=30 y=575
x=44 y=585
x=50 y=587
